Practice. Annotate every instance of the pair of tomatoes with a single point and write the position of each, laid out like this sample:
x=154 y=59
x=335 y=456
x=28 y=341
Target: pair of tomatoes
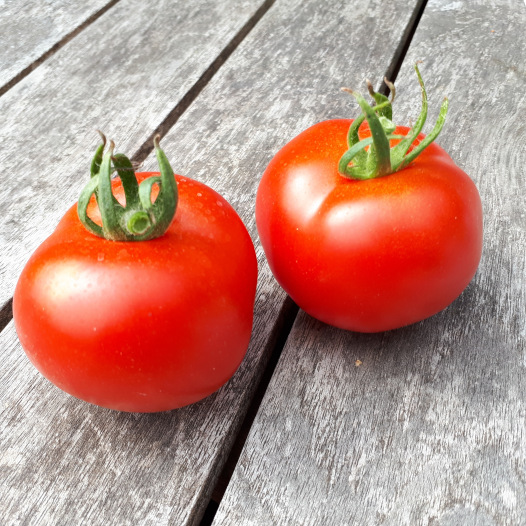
x=135 y=321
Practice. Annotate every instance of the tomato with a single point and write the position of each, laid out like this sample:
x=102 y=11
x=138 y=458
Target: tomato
x=367 y=255
x=141 y=326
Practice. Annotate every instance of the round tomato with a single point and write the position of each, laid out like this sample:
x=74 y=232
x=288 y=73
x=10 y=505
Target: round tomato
x=367 y=255
x=141 y=326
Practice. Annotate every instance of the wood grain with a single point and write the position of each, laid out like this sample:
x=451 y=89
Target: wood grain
x=63 y=463
x=124 y=74
x=430 y=428
x=160 y=469
x=31 y=29
x=67 y=462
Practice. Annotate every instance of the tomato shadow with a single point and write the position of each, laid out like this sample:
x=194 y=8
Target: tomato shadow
x=458 y=336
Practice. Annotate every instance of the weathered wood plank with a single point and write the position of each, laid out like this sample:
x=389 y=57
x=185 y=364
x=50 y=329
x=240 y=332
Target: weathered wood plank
x=63 y=461
x=159 y=469
x=92 y=465
x=430 y=428
x=31 y=29
x=123 y=75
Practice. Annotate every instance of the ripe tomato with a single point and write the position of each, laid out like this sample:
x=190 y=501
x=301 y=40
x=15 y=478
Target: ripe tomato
x=367 y=255
x=141 y=326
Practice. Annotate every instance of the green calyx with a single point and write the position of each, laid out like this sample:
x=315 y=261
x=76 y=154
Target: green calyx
x=374 y=156
x=140 y=219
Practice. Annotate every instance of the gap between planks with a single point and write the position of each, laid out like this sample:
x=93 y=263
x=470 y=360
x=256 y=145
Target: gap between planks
x=401 y=50
x=51 y=51
x=147 y=147
x=279 y=336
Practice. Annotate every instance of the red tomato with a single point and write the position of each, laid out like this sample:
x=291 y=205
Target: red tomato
x=367 y=255
x=141 y=326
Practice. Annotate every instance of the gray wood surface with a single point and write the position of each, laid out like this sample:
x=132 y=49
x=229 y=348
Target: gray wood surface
x=430 y=428
x=123 y=74
x=30 y=29
x=69 y=463
x=66 y=462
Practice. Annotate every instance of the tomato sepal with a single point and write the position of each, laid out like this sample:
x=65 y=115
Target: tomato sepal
x=381 y=158
x=140 y=218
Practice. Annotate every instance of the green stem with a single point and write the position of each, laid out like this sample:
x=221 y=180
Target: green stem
x=127 y=175
x=97 y=159
x=380 y=159
x=401 y=148
x=140 y=219
x=82 y=206
x=106 y=200
x=412 y=155
x=353 y=152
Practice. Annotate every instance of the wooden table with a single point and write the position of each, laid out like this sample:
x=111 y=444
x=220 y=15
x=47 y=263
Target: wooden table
x=430 y=429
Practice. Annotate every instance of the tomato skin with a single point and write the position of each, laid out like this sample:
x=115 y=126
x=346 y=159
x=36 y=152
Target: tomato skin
x=372 y=255
x=141 y=326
